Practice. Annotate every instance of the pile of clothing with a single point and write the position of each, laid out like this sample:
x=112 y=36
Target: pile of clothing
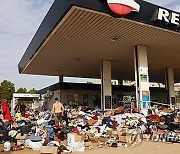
x=82 y=128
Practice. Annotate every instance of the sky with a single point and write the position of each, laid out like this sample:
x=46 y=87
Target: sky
x=19 y=21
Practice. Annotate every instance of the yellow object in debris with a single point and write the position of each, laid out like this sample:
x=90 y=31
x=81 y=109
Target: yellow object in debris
x=70 y=124
x=155 y=106
x=18 y=115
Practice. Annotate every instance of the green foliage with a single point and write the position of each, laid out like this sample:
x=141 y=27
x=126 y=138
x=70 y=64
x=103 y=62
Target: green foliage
x=6 y=90
x=22 y=90
x=32 y=91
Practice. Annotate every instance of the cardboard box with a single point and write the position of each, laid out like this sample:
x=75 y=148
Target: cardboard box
x=20 y=142
x=176 y=120
x=147 y=137
x=102 y=139
x=79 y=138
x=109 y=112
x=20 y=137
x=77 y=146
x=114 y=132
x=75 y=142
x=109 y=132
x=91 y=122
x=122 y=136
x=73 y=137
x=57 y=139
x=87 y=144
x=49 y=149
x=70 y=138
x=63 y=142
x=94 y=140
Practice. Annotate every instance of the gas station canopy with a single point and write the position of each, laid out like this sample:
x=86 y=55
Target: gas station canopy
x=77 y=34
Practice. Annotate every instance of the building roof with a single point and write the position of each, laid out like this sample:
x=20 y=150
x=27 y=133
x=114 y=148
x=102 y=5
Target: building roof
x=93 y=87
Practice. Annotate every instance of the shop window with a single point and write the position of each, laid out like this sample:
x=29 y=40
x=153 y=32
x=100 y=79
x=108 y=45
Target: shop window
x=72 y=99
x=97 y=101
x=85 y=99
x=120 y=100
x=114 y=104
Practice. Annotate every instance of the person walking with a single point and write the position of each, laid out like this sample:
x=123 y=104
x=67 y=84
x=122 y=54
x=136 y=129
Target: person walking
x=58 y=110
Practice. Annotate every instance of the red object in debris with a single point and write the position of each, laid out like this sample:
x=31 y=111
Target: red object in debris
x=84 y=109
x=132 y=110
x=154 y=117
x=6 y=111
x=115 y=124
x=135 y=110
x=58 y=127
x=120 y=9
x=95 y=118
x=98 y=129
x=26 y=115
x=76 y=130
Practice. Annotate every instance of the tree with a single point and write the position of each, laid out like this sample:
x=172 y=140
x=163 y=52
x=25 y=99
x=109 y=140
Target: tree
x=32 y=91
x=22 y=90
x=6 y=90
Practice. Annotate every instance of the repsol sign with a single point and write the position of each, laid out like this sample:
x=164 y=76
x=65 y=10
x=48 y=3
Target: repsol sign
x=167 y=16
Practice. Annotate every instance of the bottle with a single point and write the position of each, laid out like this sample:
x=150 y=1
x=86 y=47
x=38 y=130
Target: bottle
x=7 y=146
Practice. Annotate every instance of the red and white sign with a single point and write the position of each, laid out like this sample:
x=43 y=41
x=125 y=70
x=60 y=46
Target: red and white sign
x=123 y=7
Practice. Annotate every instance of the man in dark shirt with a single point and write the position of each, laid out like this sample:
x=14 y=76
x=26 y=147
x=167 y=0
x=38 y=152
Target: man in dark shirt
x=22 y=109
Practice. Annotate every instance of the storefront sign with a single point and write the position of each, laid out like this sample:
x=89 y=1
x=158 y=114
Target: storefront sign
x=143 y=78
x=167 y=16
x=123 y=7
x=127 y=102
x=145 y=96
x=145 y=99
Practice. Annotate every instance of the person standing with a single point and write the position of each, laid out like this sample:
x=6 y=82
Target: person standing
x=6 y=110
x=22 y=109
x=58 y=110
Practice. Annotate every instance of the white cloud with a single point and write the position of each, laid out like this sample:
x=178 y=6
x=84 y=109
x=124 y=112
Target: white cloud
x=177 y=8
x=19 y=20
x=170 y=4
x=161 y=3
x=19 y=17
